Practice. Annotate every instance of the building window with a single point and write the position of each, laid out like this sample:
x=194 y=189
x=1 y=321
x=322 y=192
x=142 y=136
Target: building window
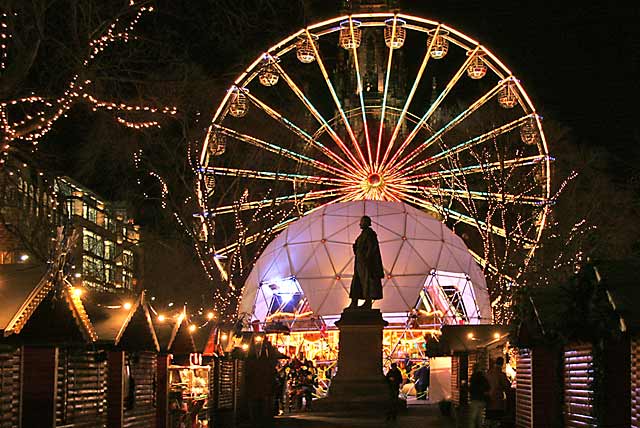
x=127 y=259
x=92 y=268
x=109 y=250
x=92 y=243
x=127 y=279
x=89 y=212
x=110 y=274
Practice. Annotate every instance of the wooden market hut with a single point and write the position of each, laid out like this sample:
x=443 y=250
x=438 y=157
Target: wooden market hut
x=127 y=337
x=176 y=345
x=52 y=377
x=576 y=350
x=467 y=345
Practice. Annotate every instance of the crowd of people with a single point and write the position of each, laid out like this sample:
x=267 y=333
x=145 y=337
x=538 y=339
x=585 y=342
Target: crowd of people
x=295 y=383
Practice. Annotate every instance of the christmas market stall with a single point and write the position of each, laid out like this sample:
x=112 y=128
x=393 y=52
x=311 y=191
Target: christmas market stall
x=182 y=380
x=468 y=345
x=576 y=348
x=127 y=337
x=46 y=330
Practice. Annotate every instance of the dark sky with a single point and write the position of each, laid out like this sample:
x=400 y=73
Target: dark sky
x=580 y=65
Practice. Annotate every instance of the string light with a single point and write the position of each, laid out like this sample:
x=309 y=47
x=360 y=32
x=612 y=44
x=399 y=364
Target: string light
x=35 y=125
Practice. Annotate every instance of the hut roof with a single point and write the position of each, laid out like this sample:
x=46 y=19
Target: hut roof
x=23 y=287
x=113 y=322
x=174 y=336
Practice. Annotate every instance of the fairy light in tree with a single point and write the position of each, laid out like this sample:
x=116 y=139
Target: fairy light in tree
x=31 y=127
x=5 y=36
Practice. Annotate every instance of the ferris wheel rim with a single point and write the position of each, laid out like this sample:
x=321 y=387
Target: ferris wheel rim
x=413 y=23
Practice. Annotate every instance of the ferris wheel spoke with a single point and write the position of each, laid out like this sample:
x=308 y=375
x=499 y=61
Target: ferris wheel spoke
x=301 y=133
x=386 y=91
x=336 y=101
x=359 y=90
x=434 y=107
x=477 y=169
x=316 y=114
x=255 y=205
x=470 y=143
x=273 y=148
x=478 y=195
x=446 y=128
x=274 y=176
x=412 y=92
x=455 y=215
x=273 y=229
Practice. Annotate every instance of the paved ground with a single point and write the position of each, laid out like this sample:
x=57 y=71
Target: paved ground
x=417 y=415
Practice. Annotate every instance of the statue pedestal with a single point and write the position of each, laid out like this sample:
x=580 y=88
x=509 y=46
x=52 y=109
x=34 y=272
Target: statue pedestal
x=359 y=384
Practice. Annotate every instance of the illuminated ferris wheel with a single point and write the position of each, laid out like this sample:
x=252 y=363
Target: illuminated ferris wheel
x=381 y=106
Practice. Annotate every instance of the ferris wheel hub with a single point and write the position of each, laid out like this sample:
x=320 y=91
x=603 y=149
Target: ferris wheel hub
x=374 y=180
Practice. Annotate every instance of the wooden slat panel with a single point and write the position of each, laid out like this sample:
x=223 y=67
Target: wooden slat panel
x=225 y=385
x=10 y=361
x=82 y=384
x=635 y=383
x=578 y=391
x=524 y=389
x=143 y=371
x=455 y=379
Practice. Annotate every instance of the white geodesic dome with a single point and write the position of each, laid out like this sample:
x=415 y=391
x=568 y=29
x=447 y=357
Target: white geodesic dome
x=313 y=257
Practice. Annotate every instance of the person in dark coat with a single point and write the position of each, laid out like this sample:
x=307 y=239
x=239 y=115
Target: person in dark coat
x=394 y=380
x=368 y=271
x=479 y=394
x=422 y=378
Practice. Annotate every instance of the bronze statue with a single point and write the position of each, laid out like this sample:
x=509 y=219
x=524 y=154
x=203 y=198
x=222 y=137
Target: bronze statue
x=368 y=271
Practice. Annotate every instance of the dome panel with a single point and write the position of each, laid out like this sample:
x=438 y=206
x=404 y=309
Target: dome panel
x=412 y=245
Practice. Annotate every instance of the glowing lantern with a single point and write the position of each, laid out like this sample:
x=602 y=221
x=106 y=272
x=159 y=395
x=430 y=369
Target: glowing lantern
x=346 y=41
x=440 y=44
x=268 y=76
x=238 y=106
x=477 y=69
x=507 y=97
x=305 y=50
x=394 y=41
x=529 y=133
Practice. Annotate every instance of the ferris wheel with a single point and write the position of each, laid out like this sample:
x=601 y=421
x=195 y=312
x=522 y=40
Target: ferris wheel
x=381 y=106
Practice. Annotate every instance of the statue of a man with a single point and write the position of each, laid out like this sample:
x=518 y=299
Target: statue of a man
x=368 y=271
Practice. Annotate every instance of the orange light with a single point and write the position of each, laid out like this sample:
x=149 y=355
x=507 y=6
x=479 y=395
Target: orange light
x=127 y=305
x=192 y=328
x=210 y=315
x=245 y=346
x=224 y=337
x=161 y=318
x=470 y=336
x=258 y=339
x=77 y=292
x=496 y=335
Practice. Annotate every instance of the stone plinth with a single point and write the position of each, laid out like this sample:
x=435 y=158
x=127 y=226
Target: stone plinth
x=359 y=384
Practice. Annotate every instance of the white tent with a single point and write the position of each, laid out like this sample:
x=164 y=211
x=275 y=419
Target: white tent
x=313 y=258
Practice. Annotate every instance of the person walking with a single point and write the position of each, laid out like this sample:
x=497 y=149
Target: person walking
x=421 y=377
x=478 y=394
x=394 y=380
x=499 y=388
